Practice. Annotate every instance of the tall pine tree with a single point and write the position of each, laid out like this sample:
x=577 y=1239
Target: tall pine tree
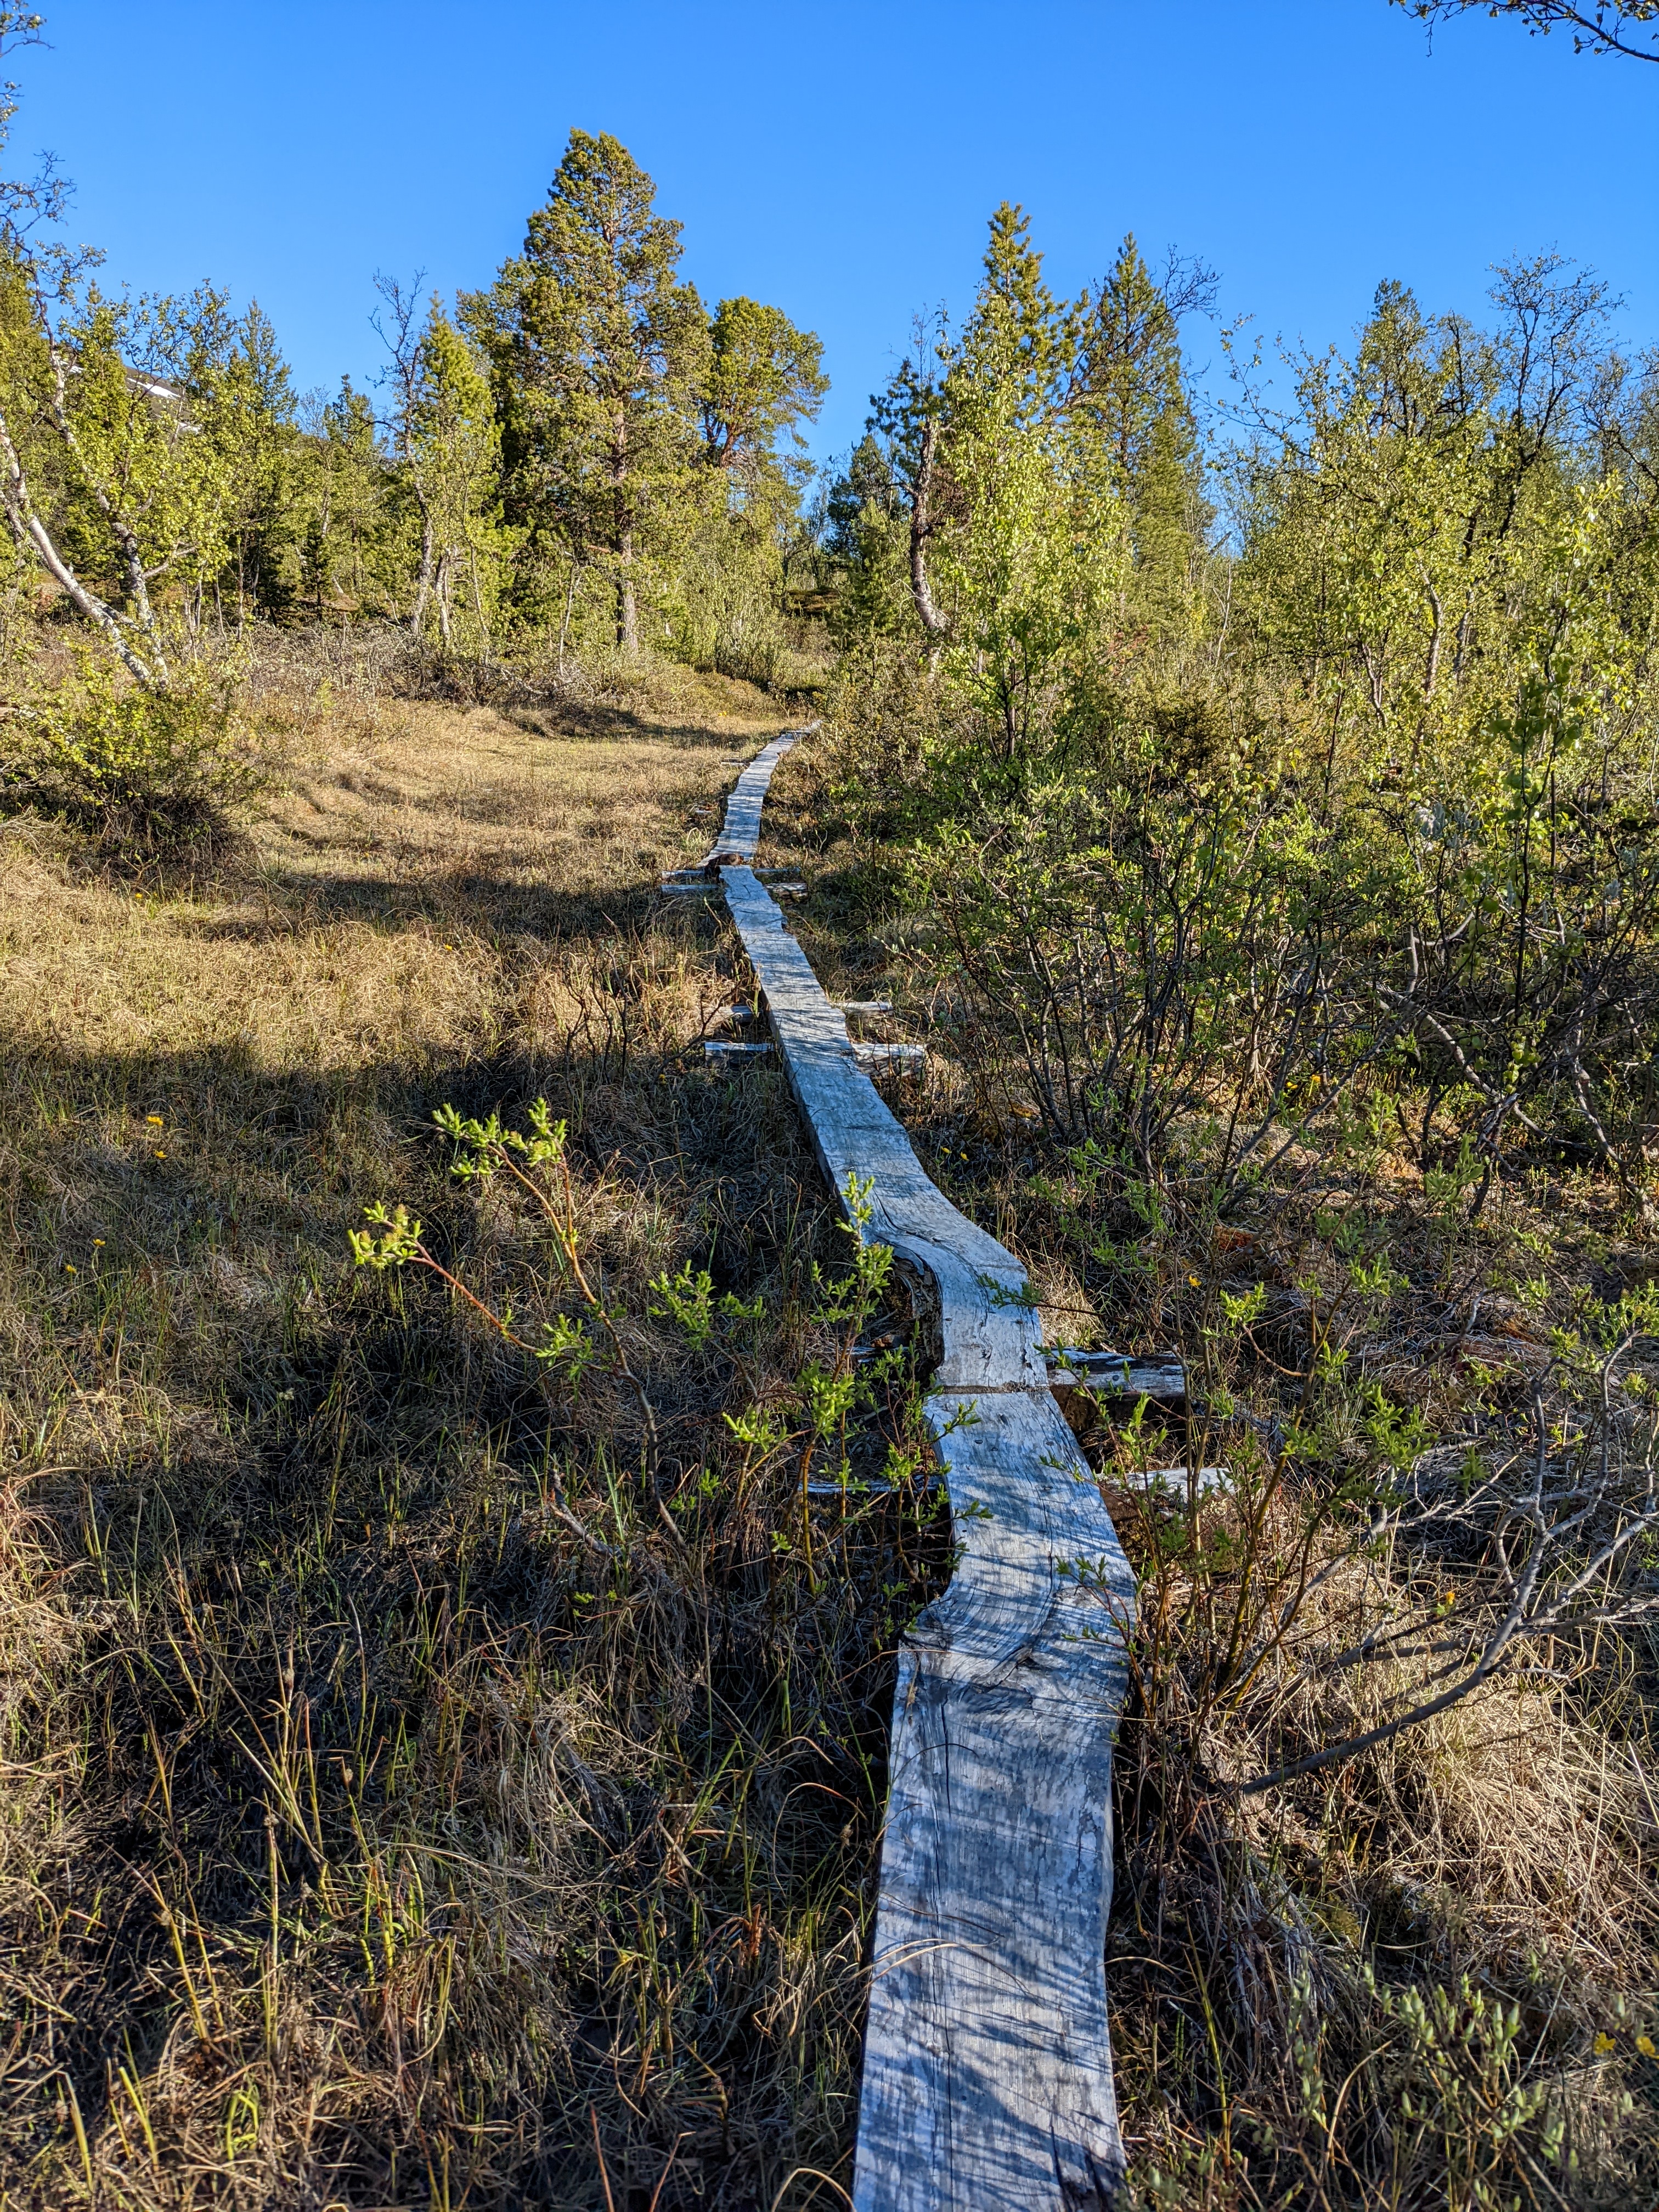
x=601 y=356
x=1130 y=380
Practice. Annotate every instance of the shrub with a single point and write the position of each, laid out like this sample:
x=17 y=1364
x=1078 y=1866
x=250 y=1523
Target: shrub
x=155 y=771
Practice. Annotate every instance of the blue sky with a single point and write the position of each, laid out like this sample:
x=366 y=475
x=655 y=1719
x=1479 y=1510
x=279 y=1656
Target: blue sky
x=842 y=161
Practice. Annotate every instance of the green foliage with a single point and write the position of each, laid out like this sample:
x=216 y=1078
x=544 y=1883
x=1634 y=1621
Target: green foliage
x=865 y=542
x=343 y=541
x=240 y=401
x=1133 y=392
x=1391 y=823
x=1424 y=534
x=586 y=435
x=1029 y=494
x=639 y=435
x=688 y=1299
x=145 y=493
x=397 y=1242
x=1019 y=550
x=764 y=377
x=600 y=354
x=156 y=771
x=719 y=601
x=826 y=1396
x=451 y=445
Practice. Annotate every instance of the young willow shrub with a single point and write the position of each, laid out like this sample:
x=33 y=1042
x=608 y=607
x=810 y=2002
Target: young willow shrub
x=827 y=1400
x=1528 y=978
x=1143 y=956
x=156 y=771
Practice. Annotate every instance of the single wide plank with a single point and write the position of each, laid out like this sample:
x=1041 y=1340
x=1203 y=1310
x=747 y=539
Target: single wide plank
x=741 y=831
x=988 y=2078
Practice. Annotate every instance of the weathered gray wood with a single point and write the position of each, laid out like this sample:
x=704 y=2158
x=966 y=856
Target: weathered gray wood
x=1117 y=1375
x=740 y=833
x=1176 y=1482
x=911 y=1058
x=987 y=2079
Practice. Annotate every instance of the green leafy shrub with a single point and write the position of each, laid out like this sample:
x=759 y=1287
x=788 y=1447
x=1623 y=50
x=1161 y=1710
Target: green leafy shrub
x=155 y=771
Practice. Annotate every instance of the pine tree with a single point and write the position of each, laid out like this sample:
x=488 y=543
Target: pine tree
x=764 y=378
x=601 y=356
x=1131 y=383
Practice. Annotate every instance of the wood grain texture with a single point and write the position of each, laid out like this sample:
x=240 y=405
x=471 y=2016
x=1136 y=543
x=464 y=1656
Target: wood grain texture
x=1118 y=1375
x=988 y=2077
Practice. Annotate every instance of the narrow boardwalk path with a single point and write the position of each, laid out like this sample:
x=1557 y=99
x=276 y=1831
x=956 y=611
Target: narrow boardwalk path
x=987 y=2076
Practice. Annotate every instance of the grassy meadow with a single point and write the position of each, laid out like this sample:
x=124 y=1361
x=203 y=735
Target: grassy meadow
x=443 y=1773
x=411 y=1797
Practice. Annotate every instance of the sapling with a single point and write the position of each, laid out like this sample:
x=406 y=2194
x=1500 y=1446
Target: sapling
x=825 y=1397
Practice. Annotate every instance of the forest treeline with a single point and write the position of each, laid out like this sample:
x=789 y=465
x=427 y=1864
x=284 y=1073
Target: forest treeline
x=580 y=449
x=1313 y=729
x=1298 y=734
x=1320 y=752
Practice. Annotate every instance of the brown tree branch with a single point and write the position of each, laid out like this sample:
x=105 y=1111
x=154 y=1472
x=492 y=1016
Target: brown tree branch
x=1602 y=28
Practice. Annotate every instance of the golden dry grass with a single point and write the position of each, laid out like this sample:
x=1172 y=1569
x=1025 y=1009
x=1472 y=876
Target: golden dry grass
x=411 y=1798
x=408 y=1799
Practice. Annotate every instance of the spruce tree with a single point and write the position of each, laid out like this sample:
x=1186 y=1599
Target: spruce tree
x=356 y=487
x=249 y=414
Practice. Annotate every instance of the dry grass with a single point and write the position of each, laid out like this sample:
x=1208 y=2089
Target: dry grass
x=413 y=1800
x=409 y=1800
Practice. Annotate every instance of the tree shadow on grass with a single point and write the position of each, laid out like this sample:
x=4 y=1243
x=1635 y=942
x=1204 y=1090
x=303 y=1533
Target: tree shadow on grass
x=308 y=1507
x=475 y=903
x=602 y=722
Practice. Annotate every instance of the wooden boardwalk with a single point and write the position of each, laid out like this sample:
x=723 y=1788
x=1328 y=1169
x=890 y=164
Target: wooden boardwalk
x=987 y=2074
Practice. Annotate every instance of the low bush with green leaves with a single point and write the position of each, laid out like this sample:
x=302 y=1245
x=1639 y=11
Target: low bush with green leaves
x=155 y=771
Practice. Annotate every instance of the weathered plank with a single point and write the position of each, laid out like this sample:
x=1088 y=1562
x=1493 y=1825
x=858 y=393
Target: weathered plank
x=987 y=2079
x=911 y=1058
x=740 y=833
x=1118 y=1375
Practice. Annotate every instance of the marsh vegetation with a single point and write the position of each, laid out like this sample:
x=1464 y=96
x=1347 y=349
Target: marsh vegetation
x=445 y=1702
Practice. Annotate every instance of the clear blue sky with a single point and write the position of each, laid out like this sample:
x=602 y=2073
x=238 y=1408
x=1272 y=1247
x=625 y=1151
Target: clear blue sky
x=841 y=161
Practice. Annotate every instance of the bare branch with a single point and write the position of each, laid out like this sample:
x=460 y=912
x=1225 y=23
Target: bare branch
x=1605 y=27
x=1548 y=1582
